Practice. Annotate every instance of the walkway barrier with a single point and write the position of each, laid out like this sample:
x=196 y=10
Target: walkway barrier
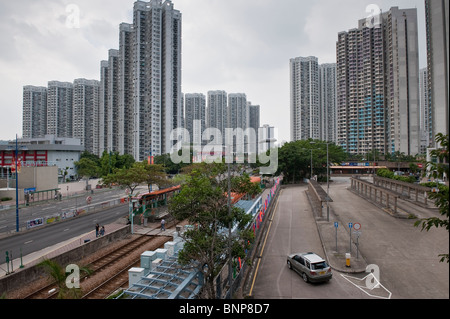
x=318 y=196
x=378 y=195
x=66 y=214
x=404 y=188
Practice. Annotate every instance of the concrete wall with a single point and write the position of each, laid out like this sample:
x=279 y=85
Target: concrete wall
x=43 y=178
x=26 y=275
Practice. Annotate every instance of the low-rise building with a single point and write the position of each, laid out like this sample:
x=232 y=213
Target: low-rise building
x=42 y=152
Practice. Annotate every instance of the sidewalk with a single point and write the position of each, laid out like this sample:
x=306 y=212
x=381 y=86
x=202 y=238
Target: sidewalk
x=336 y=240
x=337 y=258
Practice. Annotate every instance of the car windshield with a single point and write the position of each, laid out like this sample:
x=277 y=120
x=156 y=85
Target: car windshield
x=320 y=265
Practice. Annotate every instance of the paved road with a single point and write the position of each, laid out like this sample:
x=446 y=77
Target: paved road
x=294 y=230
x=406 y=257
x=51 y=207
x=40 y=238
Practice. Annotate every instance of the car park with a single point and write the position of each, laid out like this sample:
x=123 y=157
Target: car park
x=310 y=266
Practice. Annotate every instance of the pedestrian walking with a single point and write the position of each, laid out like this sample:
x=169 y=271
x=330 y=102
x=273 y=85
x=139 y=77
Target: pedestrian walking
x=97 y=227
x=102 y=231
x=163 y=224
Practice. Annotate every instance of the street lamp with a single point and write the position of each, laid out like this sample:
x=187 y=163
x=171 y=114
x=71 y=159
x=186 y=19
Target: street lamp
x=312 y=142
x=328 y=178
x=16 y=155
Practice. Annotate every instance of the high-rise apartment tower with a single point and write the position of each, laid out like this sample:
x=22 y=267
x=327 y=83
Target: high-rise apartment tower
x=378 y=84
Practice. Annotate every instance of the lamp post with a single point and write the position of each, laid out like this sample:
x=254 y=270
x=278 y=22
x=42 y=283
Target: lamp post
x=312 y=142
x=328 y=178
x=17 y=188
x=16 y=156
x=328 y=185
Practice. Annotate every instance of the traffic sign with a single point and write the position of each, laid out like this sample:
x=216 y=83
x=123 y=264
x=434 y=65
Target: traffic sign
x=356 y=226
x=336 y=224
x=350 y=225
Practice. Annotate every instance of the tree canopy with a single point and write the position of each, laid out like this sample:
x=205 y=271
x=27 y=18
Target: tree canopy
x=441 y=198
x=203 y=202
x=294 y=159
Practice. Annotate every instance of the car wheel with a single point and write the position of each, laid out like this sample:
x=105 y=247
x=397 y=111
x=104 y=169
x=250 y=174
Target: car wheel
x=289 y=264
x=305 y=277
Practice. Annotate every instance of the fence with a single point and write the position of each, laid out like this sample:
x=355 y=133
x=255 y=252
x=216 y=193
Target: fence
x=376 y=194
x=66 y=214
x=404 y=188
x=318 y=196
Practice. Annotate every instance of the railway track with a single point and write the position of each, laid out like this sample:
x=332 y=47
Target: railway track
x=120 y=278
x=124 y=257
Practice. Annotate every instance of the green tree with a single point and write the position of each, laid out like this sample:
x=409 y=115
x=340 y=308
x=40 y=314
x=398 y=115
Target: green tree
x=154 y=174
x=112 y=160
x=203 y=202
x=93 y=157
x=126 y=177
x=125 y=161
x=86 y=167
x=440 y=198
x=294 y=158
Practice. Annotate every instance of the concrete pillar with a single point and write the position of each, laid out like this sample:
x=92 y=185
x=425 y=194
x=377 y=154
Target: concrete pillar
x=146 y=259
x=161 y=253
x=134 y=275
x=170 y=247
x=387 y=200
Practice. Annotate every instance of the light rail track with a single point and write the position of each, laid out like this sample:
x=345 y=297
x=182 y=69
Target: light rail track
x=128 y=254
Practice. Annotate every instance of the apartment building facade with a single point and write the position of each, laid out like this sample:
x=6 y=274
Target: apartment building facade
x=217 y=111
x=34 y=123
x=85 y=110
x=60 y=109
x=327 y=102
x=437 y=29
x=377 y=85
x=195 y=119
x=305 y=98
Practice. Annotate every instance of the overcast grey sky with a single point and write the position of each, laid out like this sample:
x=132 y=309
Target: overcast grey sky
x=240 y=46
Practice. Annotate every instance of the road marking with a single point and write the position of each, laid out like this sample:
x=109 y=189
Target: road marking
x=264 y=245
x=66 y=229
x=361 y=283
x=28 y=242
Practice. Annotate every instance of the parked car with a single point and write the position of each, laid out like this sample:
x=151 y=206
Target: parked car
x=310 y=266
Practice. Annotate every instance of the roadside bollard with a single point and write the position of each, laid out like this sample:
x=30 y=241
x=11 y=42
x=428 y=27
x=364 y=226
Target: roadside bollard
x=347 y=259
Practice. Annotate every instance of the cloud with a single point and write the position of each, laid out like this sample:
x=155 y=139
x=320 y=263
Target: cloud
x=233 y=45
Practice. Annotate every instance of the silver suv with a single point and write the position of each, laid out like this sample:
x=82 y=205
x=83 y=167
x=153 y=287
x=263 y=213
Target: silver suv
x=310 y=266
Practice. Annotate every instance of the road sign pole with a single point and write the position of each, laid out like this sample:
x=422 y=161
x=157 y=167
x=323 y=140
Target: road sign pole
x=336 y=227
x=357 y=246
x=350 y=225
